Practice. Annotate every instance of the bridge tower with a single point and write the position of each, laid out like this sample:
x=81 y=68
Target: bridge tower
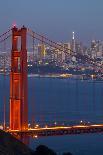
x=18 y=80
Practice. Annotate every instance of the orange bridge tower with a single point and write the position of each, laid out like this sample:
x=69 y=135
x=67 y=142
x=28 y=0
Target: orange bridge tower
x=18 y=81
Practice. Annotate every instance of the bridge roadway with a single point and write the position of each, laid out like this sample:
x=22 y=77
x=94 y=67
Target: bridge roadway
x=59 y=130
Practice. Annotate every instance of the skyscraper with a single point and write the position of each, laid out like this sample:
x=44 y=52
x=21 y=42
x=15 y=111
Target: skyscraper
x=73 y=42
x=67 y=48
x=41 y=51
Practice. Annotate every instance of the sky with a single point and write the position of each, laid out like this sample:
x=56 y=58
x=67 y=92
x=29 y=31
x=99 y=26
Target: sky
x=57 y=19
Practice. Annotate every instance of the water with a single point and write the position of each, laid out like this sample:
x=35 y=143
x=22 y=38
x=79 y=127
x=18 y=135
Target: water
x=63 y=101
x=76 y=144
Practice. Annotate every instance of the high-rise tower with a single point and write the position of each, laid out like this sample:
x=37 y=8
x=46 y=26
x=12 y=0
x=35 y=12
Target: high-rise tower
x=18 y=81
x=41 y=51
x=73 y=42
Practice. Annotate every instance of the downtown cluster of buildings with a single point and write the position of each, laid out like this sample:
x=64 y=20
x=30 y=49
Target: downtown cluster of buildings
x=72 y=54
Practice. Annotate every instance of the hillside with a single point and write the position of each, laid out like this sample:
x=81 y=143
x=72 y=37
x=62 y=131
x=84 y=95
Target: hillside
x=11 y=146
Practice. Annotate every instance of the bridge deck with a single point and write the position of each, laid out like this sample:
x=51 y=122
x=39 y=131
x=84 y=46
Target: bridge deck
x=59 y=130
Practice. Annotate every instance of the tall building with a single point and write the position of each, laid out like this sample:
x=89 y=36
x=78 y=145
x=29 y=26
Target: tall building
x=93 y=48
x=41 y=51
x=96 y=49
x=99 y=53
x=79 y=48
x=67 y=50
x=60 y=54
x=67 y=47
x=73 y=42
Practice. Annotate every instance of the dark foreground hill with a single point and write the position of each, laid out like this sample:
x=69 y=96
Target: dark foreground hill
x=9 y=145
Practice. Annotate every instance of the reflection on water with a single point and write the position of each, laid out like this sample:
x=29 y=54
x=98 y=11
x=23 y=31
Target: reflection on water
x=67 y=101
x=63 y=101
x=86 y=144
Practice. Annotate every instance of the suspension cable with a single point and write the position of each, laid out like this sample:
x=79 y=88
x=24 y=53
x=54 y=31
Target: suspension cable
x=5 y=38
x=49 y=42
x=4 y=98
x=5 y=33
x=58 y=46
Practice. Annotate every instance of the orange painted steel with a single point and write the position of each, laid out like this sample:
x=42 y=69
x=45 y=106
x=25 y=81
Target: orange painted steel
x=18 y=81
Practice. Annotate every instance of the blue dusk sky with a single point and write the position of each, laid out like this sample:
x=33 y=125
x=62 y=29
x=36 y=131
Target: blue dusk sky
x=55 y=18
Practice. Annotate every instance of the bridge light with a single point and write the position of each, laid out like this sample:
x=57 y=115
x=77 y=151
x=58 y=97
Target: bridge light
x=1 y=127
x=46 y=126
x=81 y=121
x=7 y=127
x=55 y=123
x=36 y=126
x=63 y=124
x=35 y=136
x=29 y=125
x=14 y=24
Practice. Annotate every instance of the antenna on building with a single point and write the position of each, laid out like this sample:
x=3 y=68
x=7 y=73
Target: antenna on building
x=73 y=41
x=73 y=35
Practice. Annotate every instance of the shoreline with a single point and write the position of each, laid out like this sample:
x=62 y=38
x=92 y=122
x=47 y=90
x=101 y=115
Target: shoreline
x=62 y=76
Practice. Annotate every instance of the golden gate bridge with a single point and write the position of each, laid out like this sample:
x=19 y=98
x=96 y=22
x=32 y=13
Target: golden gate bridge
x=18 y=100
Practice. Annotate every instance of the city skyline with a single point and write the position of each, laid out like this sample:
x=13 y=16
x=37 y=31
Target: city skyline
x=51 y=77
x=56 y=19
